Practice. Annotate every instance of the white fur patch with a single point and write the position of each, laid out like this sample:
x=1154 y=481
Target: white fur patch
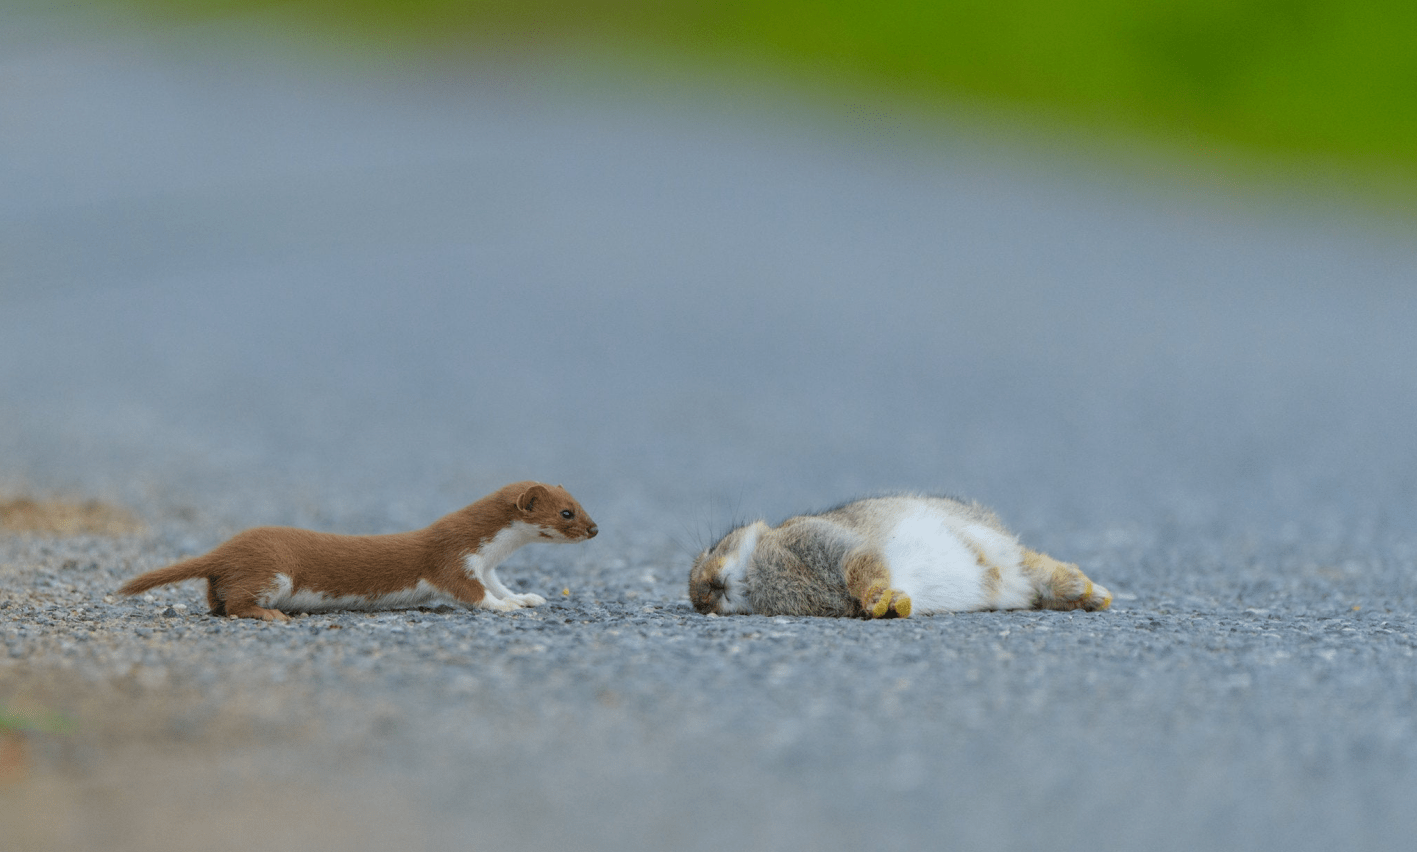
x=283 y=597
x=937 y=563
x=734 y=574
x=1002 y=551
x=482 y=565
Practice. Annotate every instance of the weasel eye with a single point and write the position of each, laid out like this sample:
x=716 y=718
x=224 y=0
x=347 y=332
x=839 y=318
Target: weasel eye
x=567 y=513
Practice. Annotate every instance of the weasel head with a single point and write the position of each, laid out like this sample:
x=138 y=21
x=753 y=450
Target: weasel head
x=718 y=582
x=553 y=513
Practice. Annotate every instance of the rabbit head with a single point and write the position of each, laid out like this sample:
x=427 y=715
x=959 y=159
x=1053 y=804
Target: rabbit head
x=718 y=582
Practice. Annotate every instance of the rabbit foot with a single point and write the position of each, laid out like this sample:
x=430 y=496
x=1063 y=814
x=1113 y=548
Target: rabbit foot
x=1094 y=598
x=881 y=602
x=1061 y=585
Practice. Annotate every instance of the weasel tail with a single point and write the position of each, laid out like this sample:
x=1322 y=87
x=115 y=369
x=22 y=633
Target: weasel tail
x=196 y=568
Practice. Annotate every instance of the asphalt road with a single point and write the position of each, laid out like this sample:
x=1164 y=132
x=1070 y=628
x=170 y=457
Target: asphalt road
x=236 y=290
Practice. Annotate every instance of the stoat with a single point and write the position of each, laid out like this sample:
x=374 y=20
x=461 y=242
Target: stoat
x=267 y=572
x=882 y=557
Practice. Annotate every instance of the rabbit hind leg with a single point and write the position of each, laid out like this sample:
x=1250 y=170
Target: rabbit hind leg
x=1062 y=585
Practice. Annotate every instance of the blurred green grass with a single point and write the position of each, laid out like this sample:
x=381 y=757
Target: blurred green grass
x=21 y=723
x=1321 y=80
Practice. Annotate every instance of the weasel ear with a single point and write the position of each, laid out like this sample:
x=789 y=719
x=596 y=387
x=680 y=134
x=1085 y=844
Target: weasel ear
x=527 y=501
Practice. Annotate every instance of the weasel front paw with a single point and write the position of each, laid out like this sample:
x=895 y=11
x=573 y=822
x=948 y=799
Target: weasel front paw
x=529 y=599
x=497 y=604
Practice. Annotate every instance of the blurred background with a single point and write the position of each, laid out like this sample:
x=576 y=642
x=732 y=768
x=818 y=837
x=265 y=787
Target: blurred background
x=1314 y=82
x=994 y=248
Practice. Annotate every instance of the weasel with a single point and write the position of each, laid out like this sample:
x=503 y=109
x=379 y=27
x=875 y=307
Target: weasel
x=267 y=572
x=884 y=557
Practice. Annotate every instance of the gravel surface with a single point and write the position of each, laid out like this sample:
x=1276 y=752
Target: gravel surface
x=238 y=291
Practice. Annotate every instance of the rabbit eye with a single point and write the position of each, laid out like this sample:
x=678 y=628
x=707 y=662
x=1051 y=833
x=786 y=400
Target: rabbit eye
x=567 y=513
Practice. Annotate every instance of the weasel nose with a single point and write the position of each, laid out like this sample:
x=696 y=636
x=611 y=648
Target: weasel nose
x=590 y=533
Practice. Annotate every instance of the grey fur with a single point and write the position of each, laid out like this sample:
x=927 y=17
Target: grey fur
x=796 y=569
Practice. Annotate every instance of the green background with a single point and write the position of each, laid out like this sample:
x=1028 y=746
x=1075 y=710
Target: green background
x=1323 y=83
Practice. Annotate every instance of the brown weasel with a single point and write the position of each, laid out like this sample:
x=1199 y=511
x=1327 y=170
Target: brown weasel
x=262 y=571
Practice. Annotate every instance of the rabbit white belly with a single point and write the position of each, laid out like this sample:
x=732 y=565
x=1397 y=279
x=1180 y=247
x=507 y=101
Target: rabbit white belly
x=946 y=567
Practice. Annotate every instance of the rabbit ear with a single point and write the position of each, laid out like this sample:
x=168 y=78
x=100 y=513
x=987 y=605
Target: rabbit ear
x=527 y=500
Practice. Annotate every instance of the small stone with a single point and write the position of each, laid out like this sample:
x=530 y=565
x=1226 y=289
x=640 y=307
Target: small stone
x=170 y=612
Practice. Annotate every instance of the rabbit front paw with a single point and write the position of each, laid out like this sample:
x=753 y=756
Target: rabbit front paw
x=882 y=602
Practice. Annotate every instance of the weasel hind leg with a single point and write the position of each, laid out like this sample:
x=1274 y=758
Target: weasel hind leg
x=868 y=579
x=1062 y=585
x=238 y=603
x=216 y=604
x=251 y=610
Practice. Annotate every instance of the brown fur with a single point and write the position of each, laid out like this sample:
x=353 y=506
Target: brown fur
x=242 y=569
